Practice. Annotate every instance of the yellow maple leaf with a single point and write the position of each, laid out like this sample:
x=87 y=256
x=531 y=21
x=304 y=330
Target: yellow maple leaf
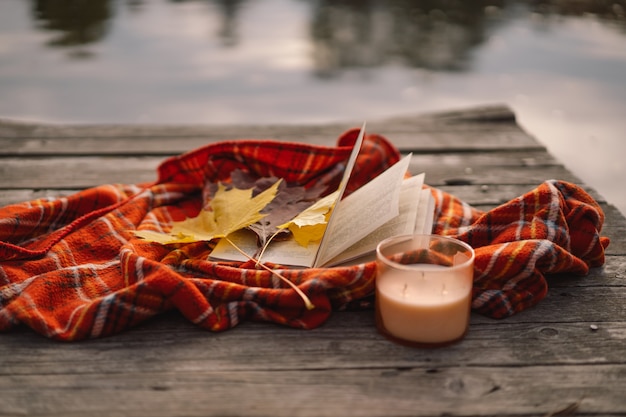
x=228 y=211
x=310 y=224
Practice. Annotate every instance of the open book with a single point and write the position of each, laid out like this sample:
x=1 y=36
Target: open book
x=386 y=206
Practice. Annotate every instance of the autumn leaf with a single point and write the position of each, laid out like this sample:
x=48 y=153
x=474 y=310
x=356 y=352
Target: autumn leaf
x=289 y=201
x=228 y=211
x=310 y=224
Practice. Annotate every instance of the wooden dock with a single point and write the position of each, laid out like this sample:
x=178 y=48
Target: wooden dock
x=566 y=356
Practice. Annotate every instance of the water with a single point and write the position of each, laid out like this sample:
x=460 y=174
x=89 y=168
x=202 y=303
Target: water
x=561 y=65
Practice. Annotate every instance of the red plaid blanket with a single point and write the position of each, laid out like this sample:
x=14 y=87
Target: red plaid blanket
x=71 y=268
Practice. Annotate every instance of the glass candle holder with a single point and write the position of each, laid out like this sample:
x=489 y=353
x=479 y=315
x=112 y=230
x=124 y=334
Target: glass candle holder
x=424 y=289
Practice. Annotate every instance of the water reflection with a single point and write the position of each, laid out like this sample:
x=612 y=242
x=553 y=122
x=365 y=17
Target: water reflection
x=83 y=22
x=75 y=23
x=430 y=34
x=228 y=29
x=436 y=35
x=606 y=10
x=228 y=11
x=276 y=61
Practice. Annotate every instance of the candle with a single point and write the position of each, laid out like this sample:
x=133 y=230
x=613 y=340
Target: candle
x=424 y=299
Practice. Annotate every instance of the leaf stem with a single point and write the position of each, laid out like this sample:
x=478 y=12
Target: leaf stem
x=307 y=302
x=258 y=261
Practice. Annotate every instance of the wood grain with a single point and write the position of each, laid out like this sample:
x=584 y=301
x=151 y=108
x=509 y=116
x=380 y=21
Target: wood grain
x=567 y=354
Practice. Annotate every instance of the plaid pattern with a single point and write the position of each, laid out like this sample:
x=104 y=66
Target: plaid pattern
x=71 y=269
x=552 y=229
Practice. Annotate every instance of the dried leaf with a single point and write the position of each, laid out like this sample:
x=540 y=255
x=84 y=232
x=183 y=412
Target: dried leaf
x=310 y=224
x=229 y=211
x=287 y=204
x=290 y=200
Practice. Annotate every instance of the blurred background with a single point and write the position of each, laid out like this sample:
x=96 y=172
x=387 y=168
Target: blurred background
x=559 y=64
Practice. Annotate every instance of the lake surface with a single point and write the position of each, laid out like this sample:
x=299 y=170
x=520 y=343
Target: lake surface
x=560 y=65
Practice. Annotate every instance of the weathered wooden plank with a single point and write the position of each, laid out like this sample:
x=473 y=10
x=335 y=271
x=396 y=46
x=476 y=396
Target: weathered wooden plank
x=175 y=359
x=20 y=195
x=413 y=133
x=334 y=346
x=88 y=171
x=417 y=141
x=530 y=390
x=492 y=114
x=615 y=229
x=439 y=175
x=529 y=158
x=466 y=118
x=70 y=172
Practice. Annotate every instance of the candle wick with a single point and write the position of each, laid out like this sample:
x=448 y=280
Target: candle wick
x=443 y=290
x=404 y=290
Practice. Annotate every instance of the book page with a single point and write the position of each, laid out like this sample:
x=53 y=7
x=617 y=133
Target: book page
x=404 y=223
x=350 y=165
x=387 y=203
x=244 y=239
x=363 y=211
x=284 y=252
x=416 y=208
x=425 y=212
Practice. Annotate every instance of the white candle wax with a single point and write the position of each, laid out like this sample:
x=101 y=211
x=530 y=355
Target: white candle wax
x=430 y=307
